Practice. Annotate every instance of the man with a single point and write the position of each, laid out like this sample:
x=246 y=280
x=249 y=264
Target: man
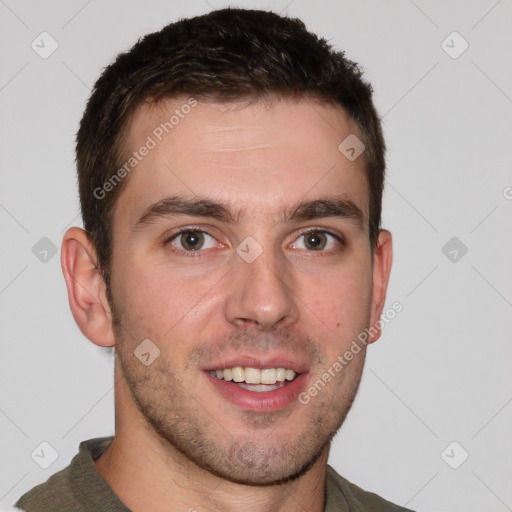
x=231 y=171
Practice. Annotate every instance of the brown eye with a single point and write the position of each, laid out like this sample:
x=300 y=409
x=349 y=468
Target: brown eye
x=192 y=240
x=315 y=240
x=318 y=240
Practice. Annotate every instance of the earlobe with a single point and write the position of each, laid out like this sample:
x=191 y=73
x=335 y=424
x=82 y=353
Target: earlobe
x=381 y=270
x=86 y=288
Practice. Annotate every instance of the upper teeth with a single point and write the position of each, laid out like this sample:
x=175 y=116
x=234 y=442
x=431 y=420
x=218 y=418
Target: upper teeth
x=254 y=375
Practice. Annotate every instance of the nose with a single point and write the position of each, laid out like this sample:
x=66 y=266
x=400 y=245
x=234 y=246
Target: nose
x=260 y=293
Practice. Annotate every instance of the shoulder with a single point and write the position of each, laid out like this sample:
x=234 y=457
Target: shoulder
x=77 y=488
x=339 y=490
x=55 y=492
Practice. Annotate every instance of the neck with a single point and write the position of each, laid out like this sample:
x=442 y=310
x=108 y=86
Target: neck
x=148 y=474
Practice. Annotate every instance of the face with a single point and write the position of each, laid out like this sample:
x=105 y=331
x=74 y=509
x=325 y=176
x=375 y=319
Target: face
x=241 y=251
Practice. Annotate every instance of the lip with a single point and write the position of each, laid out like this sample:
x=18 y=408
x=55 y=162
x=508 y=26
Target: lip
x=259 y=362
x=266 y=401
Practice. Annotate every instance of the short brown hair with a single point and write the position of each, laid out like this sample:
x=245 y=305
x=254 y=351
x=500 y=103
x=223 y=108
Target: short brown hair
x=226 y=55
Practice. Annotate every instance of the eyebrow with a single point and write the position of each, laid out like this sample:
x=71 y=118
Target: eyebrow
x=306 y=210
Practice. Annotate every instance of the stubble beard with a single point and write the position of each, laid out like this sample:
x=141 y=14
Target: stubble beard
x=264 y=454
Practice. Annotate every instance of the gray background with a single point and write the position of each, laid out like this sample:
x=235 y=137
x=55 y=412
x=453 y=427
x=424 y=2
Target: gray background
x=442 y=370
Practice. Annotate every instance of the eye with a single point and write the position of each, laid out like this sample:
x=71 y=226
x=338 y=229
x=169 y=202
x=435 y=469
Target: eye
x=192 y=240
x=317 y=240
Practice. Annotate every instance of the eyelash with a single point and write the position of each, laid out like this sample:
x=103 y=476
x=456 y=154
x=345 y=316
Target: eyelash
x=194 y=254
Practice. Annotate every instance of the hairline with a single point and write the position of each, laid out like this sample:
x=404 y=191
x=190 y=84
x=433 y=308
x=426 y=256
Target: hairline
x=268 y=98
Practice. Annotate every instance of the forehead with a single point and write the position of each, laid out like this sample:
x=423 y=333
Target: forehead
x=258 y=157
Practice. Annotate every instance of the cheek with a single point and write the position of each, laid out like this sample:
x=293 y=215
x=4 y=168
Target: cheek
x=150 y=299
x=163 y=303
x=339 y=303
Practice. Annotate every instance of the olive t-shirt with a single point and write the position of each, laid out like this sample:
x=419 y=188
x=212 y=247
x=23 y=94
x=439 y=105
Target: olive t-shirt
x=80 y=488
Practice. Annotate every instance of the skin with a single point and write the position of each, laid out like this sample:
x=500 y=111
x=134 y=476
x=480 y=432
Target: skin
x=178 y=441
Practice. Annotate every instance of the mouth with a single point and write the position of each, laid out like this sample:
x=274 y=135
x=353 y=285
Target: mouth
x=254 y=379
x=262 y=389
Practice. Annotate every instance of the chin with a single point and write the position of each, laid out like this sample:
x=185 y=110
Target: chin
x=273 y=470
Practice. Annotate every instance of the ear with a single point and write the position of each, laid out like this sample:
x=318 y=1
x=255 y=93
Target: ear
x=381 y=269
x=86 y=288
